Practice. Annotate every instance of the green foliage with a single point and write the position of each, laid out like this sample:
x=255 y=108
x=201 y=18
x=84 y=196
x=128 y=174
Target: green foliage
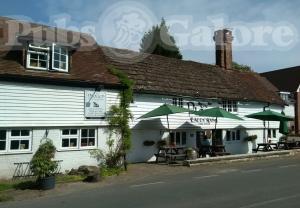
x=106 y=172
x=42 y=164
x=241 y=67
x=69 y=178
x=6 y=186
x=159 y=41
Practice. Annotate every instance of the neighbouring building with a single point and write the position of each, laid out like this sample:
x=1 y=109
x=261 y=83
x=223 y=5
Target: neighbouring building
x=288 y=83
x=56 y=84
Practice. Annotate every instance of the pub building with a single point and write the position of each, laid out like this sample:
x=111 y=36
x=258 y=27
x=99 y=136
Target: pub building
x=52 y=85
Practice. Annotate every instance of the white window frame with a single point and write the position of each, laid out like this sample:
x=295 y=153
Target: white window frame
x=6 y=141
x=19 y=138
x=95 y=137
x=69 y=137
x=175 y=137
x=230 y=106
x=38 y=51
x=78 y=139
x=53 y=60
x=233 y=135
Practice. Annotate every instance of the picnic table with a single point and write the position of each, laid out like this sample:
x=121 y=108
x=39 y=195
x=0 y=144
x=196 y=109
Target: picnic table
x=171 y=153
x=287 y=145
x=265 y=147
x=213 y=150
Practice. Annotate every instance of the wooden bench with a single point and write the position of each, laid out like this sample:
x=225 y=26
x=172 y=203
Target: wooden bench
x=160 y=155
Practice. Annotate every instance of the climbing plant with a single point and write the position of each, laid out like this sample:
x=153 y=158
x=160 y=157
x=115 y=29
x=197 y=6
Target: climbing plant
x=120 y=115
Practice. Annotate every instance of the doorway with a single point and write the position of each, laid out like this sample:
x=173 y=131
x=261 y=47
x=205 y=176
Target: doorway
x=217 y=140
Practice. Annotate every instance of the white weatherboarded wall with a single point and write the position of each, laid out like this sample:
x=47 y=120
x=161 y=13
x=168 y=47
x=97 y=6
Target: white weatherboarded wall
x=24 y=105
x=42 y=108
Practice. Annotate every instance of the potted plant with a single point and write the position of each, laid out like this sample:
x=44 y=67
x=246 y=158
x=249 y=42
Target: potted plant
x=191 y=154
x=43 y=166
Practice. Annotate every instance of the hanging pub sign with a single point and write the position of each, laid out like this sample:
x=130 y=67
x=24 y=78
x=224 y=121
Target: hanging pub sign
x=94 y=104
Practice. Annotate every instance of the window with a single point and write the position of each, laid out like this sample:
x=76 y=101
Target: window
x=88 y=138
x=59 y=58
x=38 y=57
x=233 y=135
x=69 y=138
x=238 y=134
x=274 y=133
x=19 y=140
x=178 y=102
x=78 y=138
x=3 y=138
x=284 y=96
x=228 y=135
x=178 y=138
x=230 y=106
x=269 y=133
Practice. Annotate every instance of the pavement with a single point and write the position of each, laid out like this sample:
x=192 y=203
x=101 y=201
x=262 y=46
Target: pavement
x=266 y=183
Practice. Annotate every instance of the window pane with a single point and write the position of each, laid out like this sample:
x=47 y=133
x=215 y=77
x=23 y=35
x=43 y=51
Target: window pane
x=91 y=142
x=14 y=144
x=15 y=133
x=24 y=145
x=33 y=63
x=63 y=51
x=183 y=138
x=56 y=64
x=73 y=142
x=92 y=133
x=65 y=132
x=62 y=65
x=56 y=56
x=172 y=138
x=43 y=64
x=84 y=133
x=33 y=56
x=2 y=135
x=84 y=142
x=233 y=135
x=65 y=143
x=73 y=131
x=238 y=135
x=56 y=49
x=25 y=133
x=63 y=58
x=2 y=145
x=43 y=57
x=274 y=133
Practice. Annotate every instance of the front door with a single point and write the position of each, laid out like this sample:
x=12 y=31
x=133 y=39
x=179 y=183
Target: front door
x=199 y=137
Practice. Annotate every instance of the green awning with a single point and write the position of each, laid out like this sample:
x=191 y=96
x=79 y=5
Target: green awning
x=164 y=110
x=269 y=115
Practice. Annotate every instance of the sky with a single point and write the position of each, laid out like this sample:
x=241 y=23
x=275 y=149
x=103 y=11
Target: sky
x=266 y=32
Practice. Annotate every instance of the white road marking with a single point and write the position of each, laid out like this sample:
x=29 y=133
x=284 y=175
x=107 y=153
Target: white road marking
x=288 y=166
x=271 y=201
x=146 y=184
x=252 y=171
x=228 y=171
x=204 y=177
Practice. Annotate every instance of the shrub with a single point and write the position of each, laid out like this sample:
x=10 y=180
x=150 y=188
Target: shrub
x=42 y=164
x=251 y=138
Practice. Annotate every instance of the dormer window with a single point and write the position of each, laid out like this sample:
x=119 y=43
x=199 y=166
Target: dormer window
x=45 y=57
x=59 y=58
x=38 y=57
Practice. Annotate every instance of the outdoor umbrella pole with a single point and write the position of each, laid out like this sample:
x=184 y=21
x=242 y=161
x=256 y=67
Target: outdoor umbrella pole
x=215 y=134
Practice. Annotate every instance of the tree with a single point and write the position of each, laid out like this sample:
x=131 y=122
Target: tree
x=241 y=67
x=159 y=41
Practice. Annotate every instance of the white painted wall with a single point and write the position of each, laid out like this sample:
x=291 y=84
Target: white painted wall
x=47 y=107
x=153 y=128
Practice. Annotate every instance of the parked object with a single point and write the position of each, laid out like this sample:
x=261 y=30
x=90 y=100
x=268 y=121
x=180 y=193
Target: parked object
x=43 y=166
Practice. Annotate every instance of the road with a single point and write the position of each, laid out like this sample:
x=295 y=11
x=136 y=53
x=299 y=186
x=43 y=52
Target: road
x=263 y=183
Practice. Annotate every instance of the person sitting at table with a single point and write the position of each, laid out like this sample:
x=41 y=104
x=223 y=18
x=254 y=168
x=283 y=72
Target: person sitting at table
x=205 y=144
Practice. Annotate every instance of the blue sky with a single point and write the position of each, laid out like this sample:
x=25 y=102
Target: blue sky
x=252 y=12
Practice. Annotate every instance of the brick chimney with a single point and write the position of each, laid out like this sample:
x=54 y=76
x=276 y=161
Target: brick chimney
x=223 y=39
x=297 y=112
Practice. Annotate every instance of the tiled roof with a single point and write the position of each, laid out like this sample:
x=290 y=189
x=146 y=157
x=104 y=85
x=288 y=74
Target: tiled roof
x=287 y=80
x=158 y=74
x=151 y=73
